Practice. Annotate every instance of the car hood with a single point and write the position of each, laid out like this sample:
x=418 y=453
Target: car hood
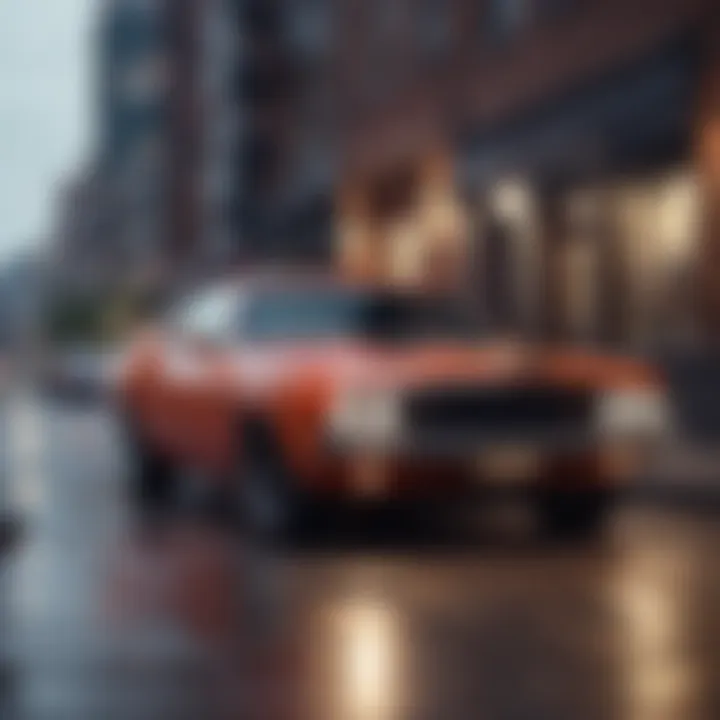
x=490 y=362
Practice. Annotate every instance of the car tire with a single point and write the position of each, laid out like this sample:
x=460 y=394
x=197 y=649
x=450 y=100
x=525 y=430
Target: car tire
x=272 y=509
x=150 y=474
x=574 y=514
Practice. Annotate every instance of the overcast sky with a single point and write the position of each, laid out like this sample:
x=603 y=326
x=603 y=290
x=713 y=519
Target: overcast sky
x=45 y=110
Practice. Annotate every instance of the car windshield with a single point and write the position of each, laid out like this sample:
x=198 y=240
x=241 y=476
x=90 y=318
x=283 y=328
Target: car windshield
x=381 y=316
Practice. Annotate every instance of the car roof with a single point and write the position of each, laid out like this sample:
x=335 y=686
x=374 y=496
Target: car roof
x=297 y=279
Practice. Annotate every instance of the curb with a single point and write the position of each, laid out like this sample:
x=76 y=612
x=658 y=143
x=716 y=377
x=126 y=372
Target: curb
x=697 y=500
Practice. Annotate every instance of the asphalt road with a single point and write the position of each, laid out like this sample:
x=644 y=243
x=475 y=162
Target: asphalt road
x=103 y=617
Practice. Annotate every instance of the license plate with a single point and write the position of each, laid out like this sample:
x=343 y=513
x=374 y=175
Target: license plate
x=507 y=464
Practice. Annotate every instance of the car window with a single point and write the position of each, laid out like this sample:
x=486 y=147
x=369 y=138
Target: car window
x=300 y=315
x=382 y=316
x=398 y=317
x=210 y=315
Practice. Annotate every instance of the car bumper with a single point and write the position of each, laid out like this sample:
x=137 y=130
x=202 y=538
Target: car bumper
x=424 y=469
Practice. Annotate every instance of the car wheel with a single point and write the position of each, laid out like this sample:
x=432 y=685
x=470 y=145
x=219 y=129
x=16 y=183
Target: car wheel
x=574 y=514
x=150 y=473
x=271 y=507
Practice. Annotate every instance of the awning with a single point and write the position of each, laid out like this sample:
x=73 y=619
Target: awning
x=638 y=116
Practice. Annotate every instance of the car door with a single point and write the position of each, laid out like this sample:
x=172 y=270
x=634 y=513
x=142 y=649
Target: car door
x=199 y=377
x=144 y=386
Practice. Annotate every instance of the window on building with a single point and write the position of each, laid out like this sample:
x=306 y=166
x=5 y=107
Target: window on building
x=388 y=61
x=309 y=26
x=434 y=27
x=501 y=19
x=548 y=9
x=143 y=80
x=262 y=18
x=389 y=20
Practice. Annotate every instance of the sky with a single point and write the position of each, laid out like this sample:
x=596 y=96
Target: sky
x=45 y=111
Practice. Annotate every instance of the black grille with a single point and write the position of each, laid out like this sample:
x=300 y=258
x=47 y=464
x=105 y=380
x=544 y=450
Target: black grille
x=509 y=412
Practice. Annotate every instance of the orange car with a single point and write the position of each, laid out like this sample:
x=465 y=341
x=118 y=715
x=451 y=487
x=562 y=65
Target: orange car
x=292 y=391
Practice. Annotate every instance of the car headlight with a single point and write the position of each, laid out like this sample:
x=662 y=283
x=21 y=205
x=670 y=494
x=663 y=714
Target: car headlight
x=362 y=415
x=634 y=414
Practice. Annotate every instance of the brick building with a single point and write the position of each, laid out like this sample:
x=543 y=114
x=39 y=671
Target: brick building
x=560 y=157
x=249 y=173
x=285 y=161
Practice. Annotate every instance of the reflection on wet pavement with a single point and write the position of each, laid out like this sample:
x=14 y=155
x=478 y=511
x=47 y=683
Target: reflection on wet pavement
x=106 y=617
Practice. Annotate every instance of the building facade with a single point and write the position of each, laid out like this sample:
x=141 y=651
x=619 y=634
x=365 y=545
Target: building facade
x=250 y=164
x=560 y=158
x=130 y=164
x=77 y=259
x=286 y=155
x=220 y=129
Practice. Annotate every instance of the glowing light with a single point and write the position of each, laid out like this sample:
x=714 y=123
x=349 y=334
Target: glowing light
x=656 y=673
x=368 y=643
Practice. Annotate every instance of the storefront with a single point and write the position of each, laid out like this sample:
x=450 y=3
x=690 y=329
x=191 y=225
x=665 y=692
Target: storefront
x=585 y=217
x=404 y=225
x=587 y=212
x=613 y=259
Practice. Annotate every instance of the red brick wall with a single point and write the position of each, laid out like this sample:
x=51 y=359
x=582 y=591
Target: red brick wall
x=484 y=83
x=552 y=57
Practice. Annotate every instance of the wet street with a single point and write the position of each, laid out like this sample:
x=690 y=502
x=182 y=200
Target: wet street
x=105 y=617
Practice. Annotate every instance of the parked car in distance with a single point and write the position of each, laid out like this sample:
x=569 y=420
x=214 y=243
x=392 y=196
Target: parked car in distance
x=294 y=393
x=77 y=374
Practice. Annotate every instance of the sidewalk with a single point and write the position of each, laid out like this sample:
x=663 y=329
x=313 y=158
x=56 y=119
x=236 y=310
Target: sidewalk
x=687 y=471
x=10 y=525
x=694 y=379
x=683 y=473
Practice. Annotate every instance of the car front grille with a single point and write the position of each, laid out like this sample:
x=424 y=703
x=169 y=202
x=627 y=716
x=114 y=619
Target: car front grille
x=503 y=413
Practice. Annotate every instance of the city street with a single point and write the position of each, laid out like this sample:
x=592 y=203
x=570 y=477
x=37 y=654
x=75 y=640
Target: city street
x=104 y=617
x=364 y=251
